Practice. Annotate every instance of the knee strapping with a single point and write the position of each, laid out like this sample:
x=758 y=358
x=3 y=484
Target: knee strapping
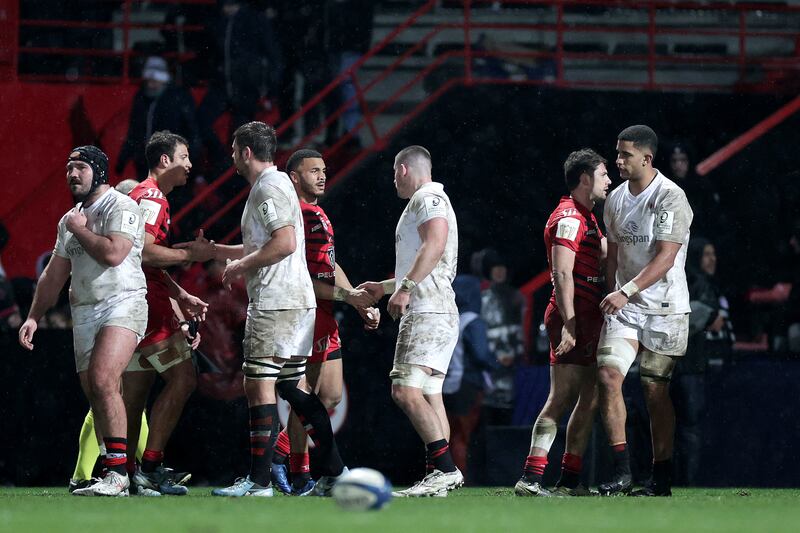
x=261 y=369
x=292 y=371
x=433 y=385
x=655 y=367
x=616 y=353
x=415 y=376
x=544 y=433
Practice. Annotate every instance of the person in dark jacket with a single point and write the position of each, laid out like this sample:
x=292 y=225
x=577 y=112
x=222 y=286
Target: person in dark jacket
x=467 y=373
x=158 y=105
x=349 y=38
x=710 y=335
x=249 y=65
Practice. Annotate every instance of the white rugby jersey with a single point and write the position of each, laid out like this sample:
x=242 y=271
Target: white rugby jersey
x=271 y=205
x=434 y=294
x=96 y=287
x=659 y=213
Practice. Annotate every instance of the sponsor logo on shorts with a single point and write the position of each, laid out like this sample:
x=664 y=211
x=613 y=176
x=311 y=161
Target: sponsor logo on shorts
x=321 y=345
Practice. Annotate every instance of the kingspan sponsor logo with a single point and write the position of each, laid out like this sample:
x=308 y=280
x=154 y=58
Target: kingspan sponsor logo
x=630 y=234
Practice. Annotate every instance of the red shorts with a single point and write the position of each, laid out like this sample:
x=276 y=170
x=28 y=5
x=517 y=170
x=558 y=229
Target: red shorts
x=588 y=322
x=161 y=320
x=327 y=345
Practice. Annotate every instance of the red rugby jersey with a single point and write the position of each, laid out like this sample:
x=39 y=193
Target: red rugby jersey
x=320 y=255
x=155 y=211
x=574 y=226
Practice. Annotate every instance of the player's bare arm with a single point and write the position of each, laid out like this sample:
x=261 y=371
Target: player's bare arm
x=108 y=250
x=342 y=291
x=358 y=298
x=656 y=269
x=199 y=250
x=191 y=334
x=564 y=285
x=225 y=251
x=48 y=287
x=190 y=306
x=378 y=288
x=433 y=235
x=369 y=314
x=158 y=256
x=281 y=246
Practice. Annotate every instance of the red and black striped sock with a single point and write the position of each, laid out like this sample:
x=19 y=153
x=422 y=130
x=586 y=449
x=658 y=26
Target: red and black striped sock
x=534 y=468
x=282 y=448
x=299 y=466
x=264 y=427
x=438 y=455
x=570 y=471
x=116 y=456
x=151 y=459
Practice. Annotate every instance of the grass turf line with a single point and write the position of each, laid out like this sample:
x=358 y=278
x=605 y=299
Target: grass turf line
x=466 y=510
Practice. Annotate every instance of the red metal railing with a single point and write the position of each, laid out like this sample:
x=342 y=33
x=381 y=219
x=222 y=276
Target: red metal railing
x=125 y=54
x=740 y=142
x=560 y=28
x=562 y=24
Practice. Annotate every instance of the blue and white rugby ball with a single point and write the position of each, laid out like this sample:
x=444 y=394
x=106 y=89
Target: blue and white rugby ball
x=362 y=489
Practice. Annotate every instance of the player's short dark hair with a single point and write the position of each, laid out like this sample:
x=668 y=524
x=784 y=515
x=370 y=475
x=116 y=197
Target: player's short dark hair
x=162 y=142
x=641 y=136
x=296 y=158
x=260 y=137
x=414 y=153
x=580 y=161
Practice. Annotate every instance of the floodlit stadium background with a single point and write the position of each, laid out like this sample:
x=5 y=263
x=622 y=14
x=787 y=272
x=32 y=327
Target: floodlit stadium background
x=500 y=92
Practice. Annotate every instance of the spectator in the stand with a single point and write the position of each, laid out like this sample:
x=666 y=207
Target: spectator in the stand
x=177 y=16
x=350 y=36
x=703 y=197
x=502 y=309
x=710 y=335
x=249 y=65
x=303 y=32
x=793 y=315
x=467 y=374
x=10 y=318
x=158 y=105
x=507 y=59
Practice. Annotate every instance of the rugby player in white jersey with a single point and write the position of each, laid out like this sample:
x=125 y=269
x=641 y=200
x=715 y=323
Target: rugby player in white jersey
x=280 y=317
x=99 y=244
x=647 y=313
x=426 y=248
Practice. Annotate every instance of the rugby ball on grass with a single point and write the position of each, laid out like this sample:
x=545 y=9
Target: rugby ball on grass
x=362 y=489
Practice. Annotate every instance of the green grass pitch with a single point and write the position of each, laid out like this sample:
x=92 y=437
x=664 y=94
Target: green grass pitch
x=469 y=509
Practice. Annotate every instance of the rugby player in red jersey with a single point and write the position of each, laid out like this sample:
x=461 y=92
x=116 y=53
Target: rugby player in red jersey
x=306 y=169
x=164 y=348
x=575 y=249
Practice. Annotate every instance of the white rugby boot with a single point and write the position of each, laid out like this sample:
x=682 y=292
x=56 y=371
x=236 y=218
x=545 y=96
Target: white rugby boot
x=436 y=484
x=113 y=484
x=324 y=485
x=244 y=487
x=528 y=488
